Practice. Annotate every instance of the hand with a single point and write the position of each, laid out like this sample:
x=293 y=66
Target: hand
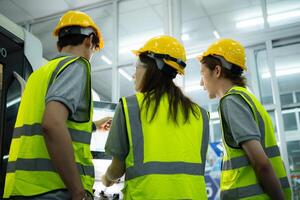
x=78 y=195
x=106 y=182
x=103 y=124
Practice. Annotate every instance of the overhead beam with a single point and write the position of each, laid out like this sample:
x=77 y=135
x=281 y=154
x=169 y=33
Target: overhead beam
x=264 y=10
x=214 y=27
x=154 y=10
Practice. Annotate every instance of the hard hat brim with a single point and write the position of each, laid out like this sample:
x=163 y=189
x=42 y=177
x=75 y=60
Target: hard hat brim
x=136 y=52
x=199 y=58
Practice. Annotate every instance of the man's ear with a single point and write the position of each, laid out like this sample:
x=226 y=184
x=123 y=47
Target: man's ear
x=218 y=71
x=86 y=42
x=89 y=41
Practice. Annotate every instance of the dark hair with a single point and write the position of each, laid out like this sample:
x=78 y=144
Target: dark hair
x=155 y=84
x=237 y=79
x=74 y=39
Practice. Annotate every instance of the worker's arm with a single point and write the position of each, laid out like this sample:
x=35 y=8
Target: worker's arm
x=263 y=169
x=117 y=146
x=59 y=145
x=115 y=171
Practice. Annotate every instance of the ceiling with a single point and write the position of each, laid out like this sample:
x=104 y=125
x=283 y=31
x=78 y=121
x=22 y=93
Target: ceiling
x=140 y=20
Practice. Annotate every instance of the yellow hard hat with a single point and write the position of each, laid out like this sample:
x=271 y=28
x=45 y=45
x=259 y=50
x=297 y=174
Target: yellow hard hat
x=169 y=46
x=78 y=18
x=231 y=50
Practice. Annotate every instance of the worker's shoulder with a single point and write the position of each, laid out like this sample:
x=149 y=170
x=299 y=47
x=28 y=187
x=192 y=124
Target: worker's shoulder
x=79 y=60
x=68 y=58
x=232 y=98
x=77 y=66
x=76 y=62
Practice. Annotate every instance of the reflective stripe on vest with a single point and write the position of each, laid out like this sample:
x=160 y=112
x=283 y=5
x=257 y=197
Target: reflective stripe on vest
x=250 y=190
x=139 y=168
x=36 y=129
x=243 y=161
x=43 y=164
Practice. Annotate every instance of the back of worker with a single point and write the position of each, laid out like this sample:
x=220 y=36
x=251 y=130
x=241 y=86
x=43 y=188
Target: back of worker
x=158 y=135
x=30 y=171
x=50 y=154
x=169 y=164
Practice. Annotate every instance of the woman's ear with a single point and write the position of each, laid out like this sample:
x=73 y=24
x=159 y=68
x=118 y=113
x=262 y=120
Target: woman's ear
x=218 y=71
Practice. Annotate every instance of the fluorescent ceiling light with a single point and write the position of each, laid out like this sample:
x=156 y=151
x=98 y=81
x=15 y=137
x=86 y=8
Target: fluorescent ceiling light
x=185 y=37
x=125 y=74
x=216 y=34
x=282 y=72
x=192 y=88
x=105 y=59
x=13 y=102
x=249 y=22
x=271 y=19
x=95 y=95
x=283 y=16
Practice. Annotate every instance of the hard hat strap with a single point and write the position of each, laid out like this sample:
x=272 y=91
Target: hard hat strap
x=167 y=57
x=72 y=30
x=161 y=65
x=234 y=69
x=77 y=30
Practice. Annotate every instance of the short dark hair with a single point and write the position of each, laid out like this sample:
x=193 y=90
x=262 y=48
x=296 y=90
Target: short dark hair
x=237 y=79
x=75 y=39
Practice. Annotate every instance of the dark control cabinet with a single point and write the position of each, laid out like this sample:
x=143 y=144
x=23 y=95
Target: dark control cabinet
x=12 y=59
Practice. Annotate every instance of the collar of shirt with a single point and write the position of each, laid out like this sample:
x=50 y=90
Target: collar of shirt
x=61 y=55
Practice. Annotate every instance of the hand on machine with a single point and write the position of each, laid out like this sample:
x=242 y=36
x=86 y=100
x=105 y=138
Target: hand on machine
x=103 y=124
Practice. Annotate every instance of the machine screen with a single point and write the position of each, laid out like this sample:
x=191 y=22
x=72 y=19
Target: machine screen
x=100 y=159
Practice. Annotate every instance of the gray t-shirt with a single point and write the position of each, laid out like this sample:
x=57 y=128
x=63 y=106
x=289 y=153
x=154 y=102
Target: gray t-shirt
x=70 y=88
x=117 y=143
x=238 y=121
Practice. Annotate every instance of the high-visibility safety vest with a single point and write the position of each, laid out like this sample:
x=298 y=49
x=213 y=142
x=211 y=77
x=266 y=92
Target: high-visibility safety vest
x=165 y=160
x=238 y=178
x=30 y=170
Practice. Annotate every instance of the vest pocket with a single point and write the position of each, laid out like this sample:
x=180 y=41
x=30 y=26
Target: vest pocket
x=84 y=161
x=229 y=179
x=229 y=176
x=88 y=161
